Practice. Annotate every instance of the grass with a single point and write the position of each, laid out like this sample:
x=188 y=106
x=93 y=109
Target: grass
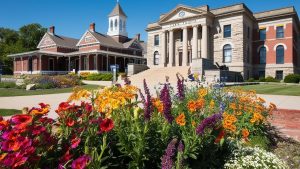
x=274 y=89
x=9 y=112
x=7 y=76
x=23 y=92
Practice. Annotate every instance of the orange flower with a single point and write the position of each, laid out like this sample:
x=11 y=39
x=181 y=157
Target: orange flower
x=261 y=100
x=228 y=122
x=192 y=106
x=193 y=123
x=245 y=133
x=2 y=156
x=157 y=104
x=180 y=120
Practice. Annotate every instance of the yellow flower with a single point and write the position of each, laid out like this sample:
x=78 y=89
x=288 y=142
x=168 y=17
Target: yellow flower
x=180 y=120
x=193 y=123
x=211 y=104
x=202 y=92
x=78 y=94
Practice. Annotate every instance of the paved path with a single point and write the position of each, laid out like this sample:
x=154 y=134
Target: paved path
x=20 y=102
x=283 y=102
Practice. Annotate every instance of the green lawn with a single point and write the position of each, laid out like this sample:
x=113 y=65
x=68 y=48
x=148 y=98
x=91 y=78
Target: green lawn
x=23 y=92
x=9 y=112
x=274 y=89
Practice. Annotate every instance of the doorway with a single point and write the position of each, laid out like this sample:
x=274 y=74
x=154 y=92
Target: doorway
x=51 y=64
x=180 y=59
x=76 y=65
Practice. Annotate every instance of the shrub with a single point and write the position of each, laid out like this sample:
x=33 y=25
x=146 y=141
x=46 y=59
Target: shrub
x=290 y=152
x=100 y=76
x=262 y=79
x=292 y=78
x=250 y=80
x=84 y=75
x=257 y=158
x=8 y=85
x=59 y=81
x=271 y=79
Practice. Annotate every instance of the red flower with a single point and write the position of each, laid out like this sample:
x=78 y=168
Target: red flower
x=14 y=160
x=106 y=125
x=3 y=124
x=11 y=145
x=220 y=136
x=75 y=142
x=21 y=119
x=88 y=108
x=81 y=162
x=70 y=122
x=67 y=156
x=64 y=106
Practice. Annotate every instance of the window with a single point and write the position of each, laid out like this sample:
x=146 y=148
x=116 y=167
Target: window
x=88 y=38
x=280 y=32
x=124 y=26
x=30 y=64
x=261 y=73
x=85 y=63
x=111 y=25
x=156 y=40
x=248 y=32
x=227 y=31
x=121 y=25
x=227 y=53
x=279 y=74
x=262 y=34
x=280 y=54
x=262 y=55
x=156 y=58
x=116 y=24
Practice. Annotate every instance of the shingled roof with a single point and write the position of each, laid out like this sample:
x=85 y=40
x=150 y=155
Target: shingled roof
x=117 y=11
x=63 y=41
x=106 y=40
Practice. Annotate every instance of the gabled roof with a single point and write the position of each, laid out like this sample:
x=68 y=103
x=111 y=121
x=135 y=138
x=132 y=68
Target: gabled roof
x=102 y=39
x=60 y=41
x=129 y=43
x=117 y=11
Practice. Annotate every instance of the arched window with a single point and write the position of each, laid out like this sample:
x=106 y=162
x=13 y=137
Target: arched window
x=124 y=26
x=262 y=55
x=280 y=54
x=116 y=24
x=111 y=25
x=156 y=58
x=227 y=53
x=121 y=24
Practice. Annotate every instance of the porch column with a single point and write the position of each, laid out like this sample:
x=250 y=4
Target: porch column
x=204 y=45
x=163 y=53
x=185 y=47
x=171 y=48
x=40 y=62
x=22 y=64
x=79 y=62
x=195 y=42
x=96 y=62
x=88 y=61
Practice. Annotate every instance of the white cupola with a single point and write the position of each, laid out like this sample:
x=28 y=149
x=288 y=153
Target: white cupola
x=117 y=22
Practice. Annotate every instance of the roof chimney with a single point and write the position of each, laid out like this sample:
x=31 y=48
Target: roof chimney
x=138 y=37
x=52 y=30
x=92 y=27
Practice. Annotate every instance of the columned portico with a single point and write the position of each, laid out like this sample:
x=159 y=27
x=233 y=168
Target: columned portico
x=171 y=48
x=163 y=53
x=195 y=42
x=204 y=41
x=184 y=47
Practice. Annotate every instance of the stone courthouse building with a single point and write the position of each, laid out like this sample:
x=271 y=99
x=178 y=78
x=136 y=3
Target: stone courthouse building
x=93 y=52
x=252 y=44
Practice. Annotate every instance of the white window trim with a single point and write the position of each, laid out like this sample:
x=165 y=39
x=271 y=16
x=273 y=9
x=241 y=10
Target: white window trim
x=267 y=48
x=284 y=46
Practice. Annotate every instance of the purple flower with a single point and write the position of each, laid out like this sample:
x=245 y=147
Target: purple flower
x=148 y=107
x=208 y=122
x=167 y=103
x=167 y=161
x=180 y=87
x=180 y=146
x=127 y=81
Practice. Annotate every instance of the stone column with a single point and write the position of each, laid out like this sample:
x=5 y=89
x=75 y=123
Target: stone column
x=171 y=48
x=96 y=68
x=195 y=42
x=204 y=45
x=184 y=47
x=40 y=62
x=163 y=49
x=80 y=63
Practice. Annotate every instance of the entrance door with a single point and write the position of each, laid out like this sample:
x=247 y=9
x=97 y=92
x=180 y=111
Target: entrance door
x=51 y=64
x=180 y=59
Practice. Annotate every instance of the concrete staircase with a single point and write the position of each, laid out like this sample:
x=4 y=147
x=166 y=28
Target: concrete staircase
x=155 y=76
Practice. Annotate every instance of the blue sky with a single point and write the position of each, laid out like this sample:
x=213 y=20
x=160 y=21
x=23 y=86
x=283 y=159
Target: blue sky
x=72 y=17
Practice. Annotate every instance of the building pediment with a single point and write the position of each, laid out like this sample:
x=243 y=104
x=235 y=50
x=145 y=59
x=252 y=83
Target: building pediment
x=46 y=41
x=181 y=12
x=87 y=39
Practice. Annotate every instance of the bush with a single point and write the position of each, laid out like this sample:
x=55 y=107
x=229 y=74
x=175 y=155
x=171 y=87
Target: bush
x=290 y=151
x=59 y=81
x=262 y=79
x=292 y=78
x=100 y=76
x=257 y=158
x=250 y=80
x=8 y=85
x=271 y=79
x=84 y=75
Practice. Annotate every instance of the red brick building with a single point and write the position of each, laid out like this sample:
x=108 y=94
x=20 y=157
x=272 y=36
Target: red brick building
x=94 y=52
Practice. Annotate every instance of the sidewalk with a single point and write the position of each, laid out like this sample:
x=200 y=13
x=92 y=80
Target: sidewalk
x=283 y=102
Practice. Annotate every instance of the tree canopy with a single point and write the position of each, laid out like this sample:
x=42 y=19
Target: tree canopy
x=23 y=40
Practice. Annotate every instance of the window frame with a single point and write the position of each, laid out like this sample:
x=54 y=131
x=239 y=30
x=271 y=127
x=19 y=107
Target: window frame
x=277 y=75
x=280 y=58
x=265 y=34
x=156 y=40
x=226 y=49
x=156 y=58
x=279 y=34
x=227 y=32
x=260 y=55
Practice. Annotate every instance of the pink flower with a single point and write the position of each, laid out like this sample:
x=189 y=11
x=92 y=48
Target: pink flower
x=75 y=142
x=106 y=125
x=21 y=120
x=14 y=160
x=81 y=162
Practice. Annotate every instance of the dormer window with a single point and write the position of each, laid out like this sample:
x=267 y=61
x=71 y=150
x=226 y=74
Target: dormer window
x=88 y=38
x=116 y=24
x=121 y=24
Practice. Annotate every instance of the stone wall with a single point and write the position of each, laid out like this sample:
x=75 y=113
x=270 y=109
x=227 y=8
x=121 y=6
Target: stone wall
x=136 y=68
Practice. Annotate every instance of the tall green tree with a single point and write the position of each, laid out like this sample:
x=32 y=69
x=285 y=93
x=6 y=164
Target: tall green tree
x=11 y=42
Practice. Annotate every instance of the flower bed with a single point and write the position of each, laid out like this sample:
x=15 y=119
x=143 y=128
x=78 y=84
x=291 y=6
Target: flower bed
x=123 y=127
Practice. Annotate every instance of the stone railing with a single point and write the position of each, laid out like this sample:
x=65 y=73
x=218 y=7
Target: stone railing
x=136 y=68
